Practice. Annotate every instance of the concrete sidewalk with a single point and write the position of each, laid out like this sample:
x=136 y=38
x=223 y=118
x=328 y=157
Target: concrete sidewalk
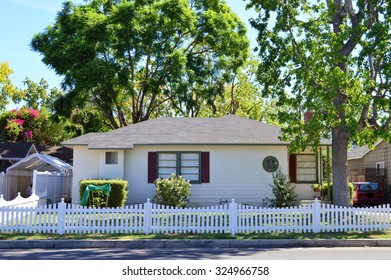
x=202 y=243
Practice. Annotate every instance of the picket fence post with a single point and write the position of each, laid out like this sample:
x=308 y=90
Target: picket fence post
x=316 y=216
x=1 y=200
x=61 y=217
x=147 y=216
x=233 y=214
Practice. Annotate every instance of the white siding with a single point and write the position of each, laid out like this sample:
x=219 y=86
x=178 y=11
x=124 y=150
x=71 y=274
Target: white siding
x=111 y=171
x=235 y=172
x=85 y=166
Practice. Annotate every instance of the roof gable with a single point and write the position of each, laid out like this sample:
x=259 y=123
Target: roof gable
x=16 y=150
x=360 y=152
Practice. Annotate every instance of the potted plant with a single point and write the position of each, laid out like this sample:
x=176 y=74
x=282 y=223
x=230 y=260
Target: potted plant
x=317 y=188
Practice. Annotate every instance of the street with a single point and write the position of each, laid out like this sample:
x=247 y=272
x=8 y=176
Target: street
x=341 y=253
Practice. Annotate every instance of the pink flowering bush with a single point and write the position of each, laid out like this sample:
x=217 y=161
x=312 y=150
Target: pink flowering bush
x=22 y=125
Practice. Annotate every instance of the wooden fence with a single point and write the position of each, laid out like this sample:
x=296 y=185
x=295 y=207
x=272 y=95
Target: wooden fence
x=230 y=218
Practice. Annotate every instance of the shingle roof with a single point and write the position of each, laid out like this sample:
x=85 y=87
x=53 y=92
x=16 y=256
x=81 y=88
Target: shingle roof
x=360 y=152
x=225 y=130
x=63 y=153
x=16 y=150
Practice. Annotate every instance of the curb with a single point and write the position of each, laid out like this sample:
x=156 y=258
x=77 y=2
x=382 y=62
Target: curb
x=180 y=244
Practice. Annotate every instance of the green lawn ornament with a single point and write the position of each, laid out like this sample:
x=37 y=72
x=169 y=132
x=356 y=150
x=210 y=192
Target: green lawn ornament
x=90 y=190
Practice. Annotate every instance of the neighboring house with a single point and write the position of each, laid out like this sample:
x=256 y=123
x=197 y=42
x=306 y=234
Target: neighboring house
x=224 y=158
x=63 y=153
x=11 y=153
x=365 y=164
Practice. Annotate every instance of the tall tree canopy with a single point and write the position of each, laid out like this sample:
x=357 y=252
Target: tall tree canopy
x=332 y=57
x=140 y=57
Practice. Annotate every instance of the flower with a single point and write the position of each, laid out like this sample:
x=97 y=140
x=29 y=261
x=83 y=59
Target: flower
x=28 y=134
x=34 y=113
x=17 y=121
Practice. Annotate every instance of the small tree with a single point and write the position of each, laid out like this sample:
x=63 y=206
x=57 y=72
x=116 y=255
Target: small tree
x=283 y=191
x=172 y=191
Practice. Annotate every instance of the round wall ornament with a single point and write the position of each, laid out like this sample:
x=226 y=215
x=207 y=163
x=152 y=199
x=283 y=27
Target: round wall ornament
x=270 y=164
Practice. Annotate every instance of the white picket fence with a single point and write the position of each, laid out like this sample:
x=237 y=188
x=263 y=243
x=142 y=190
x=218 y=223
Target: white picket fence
x=230 y=218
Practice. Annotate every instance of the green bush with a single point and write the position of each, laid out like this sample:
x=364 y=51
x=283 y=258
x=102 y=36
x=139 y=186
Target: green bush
x=325 y=186
x=283 y=192
x=172 y=191
x=118 y=194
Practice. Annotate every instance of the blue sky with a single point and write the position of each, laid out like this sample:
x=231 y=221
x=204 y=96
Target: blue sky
x=21 y=19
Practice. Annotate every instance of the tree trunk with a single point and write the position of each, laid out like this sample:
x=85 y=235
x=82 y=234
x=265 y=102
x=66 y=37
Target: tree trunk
x=341 y=194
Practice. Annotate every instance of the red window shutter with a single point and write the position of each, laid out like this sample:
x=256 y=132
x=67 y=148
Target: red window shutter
x=292 y=168
x=205 y=167
x=152 y=167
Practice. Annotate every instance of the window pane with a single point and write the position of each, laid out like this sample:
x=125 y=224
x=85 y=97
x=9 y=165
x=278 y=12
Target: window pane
x=190 y=163
x=191 y=177
x=190 y=156
x=189 y=170
x=111 y=158
x=167 y=156
x=306 y=178
x=167 y=163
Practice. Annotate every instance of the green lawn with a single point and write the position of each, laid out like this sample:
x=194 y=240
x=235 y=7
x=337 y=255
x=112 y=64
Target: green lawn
x=339 y=235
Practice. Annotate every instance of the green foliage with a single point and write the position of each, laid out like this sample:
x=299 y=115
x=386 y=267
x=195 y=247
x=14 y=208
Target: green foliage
x=7 y=89
x=30 y=125
x=172 y=191
x=242 y=97
x=118 y=194
x=332 y=58
x=137 y=59
x=325 y=190
x=283 y=192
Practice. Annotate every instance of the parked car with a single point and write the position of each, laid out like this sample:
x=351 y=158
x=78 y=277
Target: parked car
x=367 y=193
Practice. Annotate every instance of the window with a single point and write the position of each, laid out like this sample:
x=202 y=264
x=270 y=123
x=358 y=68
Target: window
x=380 y=168
x=270 y=164
x=306 y=168
x=303 y=168
x=111 y=158
x=186 y=164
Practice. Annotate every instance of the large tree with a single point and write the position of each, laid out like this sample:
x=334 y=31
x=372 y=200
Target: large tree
x=333 y=58
x=140 y=57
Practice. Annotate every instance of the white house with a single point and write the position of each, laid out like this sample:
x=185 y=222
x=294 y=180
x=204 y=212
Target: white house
x=224 y=158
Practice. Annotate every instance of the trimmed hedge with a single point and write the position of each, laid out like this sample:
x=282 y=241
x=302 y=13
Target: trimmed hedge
x=118 y=194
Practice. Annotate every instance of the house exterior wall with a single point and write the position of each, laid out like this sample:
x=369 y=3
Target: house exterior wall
x=85 y=166
x=381 y=153
x=111 y=171
x=235 y=172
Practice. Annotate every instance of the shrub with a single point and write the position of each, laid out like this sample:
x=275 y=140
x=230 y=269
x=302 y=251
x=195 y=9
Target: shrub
x=283 y=191
x=172 y=191
x=118 y=194
x=325 y=191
